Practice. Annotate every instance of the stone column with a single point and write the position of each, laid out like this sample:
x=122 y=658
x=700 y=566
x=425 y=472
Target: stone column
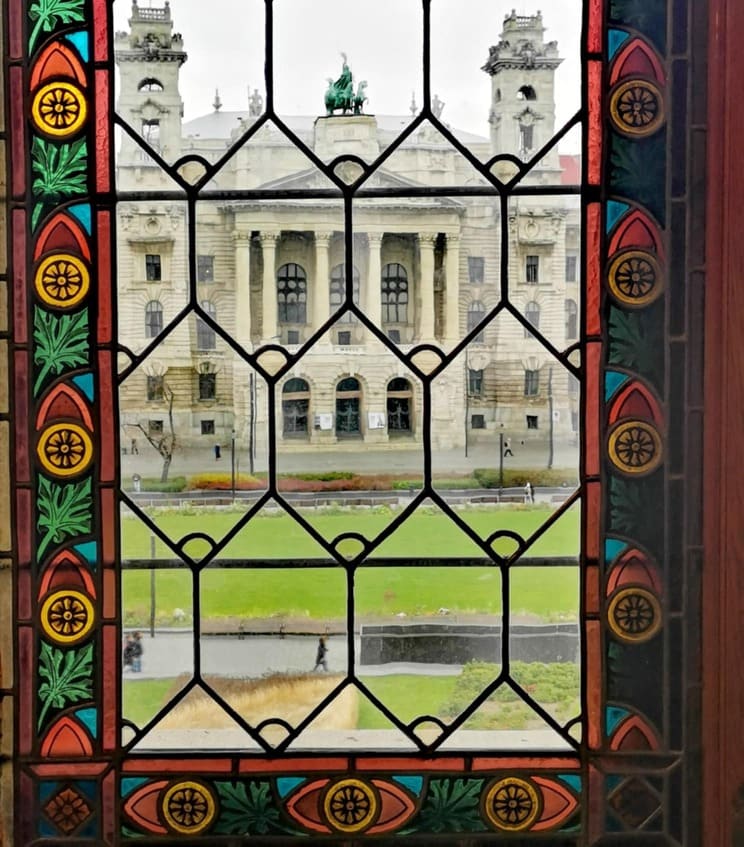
x=242 y=241
x=321 y=295
x=268 y=247
x=426 y=322
x=373 y=288
x=452 y=290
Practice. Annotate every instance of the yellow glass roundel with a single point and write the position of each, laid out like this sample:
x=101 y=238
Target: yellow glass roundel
x=350 y=805
x=65 y=449
x=634 y=278
x=67 y=616
x=62 y=280
x=59 y=109
x=635 y=447
x=637 y=107
x=512 y=804
x=189 y=807
x=634 y=614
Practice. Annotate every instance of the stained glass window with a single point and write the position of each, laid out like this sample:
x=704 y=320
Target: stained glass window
x=318 y=595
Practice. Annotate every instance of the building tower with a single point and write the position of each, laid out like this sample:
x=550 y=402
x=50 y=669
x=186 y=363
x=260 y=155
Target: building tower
x=522 y=70
x=149 y=58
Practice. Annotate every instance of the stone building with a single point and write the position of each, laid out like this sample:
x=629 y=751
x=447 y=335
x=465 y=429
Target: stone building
x=426 y=269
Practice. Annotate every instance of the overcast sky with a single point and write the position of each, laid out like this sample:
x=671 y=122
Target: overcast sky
x=224 y=42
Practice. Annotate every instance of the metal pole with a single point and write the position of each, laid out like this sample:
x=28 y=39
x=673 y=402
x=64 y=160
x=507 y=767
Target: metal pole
x=252 y=425
x=550 y=418
x=467 y=400
x=152 y=587
x=501 y=464
x=232 y=463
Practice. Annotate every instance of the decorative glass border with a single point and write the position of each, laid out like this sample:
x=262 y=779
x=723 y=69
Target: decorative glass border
x=73 y=781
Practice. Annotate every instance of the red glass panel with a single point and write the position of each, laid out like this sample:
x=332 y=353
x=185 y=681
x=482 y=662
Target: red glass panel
x=20 y=286
x=594 y=127
x=592 y=288
x=100 y=30
x=26 y=736
x=17 y=135
x=451 y=763
x=492 y=763
x=595 y=27
x=294 y=765
x=109 y=685
x=593 y=527
x=106 y=423
x=103 y=233
x=593 y=636
x=108 y=535
x=591 y=415
x=178 y=766
x=22 y=394
x=15 y=28
x=103 y=151
x=24 y=527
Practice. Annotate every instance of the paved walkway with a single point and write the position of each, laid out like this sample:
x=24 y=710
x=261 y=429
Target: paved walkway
x=353 y=457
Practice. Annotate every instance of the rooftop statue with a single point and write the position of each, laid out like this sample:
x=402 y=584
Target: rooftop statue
x=340 y=94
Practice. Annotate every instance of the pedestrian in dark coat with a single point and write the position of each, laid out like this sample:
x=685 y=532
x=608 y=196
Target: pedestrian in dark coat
x=320 y=657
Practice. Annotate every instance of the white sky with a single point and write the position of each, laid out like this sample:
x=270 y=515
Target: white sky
x=224 y=42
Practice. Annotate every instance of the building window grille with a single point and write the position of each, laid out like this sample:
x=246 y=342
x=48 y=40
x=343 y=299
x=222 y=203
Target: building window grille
x=399 y=397
x=207 y=427
x=155 y=427
x=572 y=322
x=291 y=282
x=205 y=269
x=207 y=386
x=531 y=383
x=532 y=315
x=476 y=311
x=394 y=294
x=206 y=338
x=155 y=388
x=476 y=269
x=571 y=268
x=153 y=267
x=348 y=408
x=153 y=319
x=477 y=421
x=295 y=408
x=475 y=382
x=394 y=335
x=532 y=269
x=532 y=422
x=344 y=338
x=293 y=337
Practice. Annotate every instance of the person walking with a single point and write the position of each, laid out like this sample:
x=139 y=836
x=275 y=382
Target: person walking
x=529 y=492
x=320 y=656
x=137 y=651
x=507 y=447
x=128 y=649
x=134 y=449
x=217 y=452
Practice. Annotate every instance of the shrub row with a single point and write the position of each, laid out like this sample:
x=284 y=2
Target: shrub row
x=174 y=484
x=223 y=482
x=489 y=477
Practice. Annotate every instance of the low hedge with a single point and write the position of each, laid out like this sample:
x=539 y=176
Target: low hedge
x=175 y=484
x=223 y=482
x=512 y=478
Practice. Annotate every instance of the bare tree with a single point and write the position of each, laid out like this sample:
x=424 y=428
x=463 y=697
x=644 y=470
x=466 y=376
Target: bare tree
x=164 y=443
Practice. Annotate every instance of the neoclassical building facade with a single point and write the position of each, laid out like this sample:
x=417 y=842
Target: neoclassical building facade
x=426 y=269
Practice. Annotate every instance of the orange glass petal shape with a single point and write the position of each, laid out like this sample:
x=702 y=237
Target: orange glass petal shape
x=66 y=739
x=143 y=807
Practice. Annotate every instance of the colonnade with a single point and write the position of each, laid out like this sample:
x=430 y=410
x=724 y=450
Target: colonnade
x=422 y=284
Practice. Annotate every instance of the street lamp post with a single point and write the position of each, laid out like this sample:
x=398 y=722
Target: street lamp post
x=251 y=423
x=232 y=463
x=550 y=418
x=467 y=400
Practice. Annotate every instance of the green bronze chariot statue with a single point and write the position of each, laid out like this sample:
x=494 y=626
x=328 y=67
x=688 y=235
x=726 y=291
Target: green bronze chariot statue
x=340 y=95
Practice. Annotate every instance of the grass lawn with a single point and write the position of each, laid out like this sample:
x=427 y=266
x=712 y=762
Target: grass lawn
x=406 y=695
x=550 y=593
x=142 y=699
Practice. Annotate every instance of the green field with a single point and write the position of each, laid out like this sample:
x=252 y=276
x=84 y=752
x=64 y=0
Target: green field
x=320 y=593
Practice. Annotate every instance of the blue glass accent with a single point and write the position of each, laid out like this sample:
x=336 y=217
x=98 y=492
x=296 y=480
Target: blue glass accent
x=82 y=212
x=89 y=718
x=572 y=780
x=79 y=40
x=613 y=548
x=85 y=383
x=89 y=551
x=47 y=790
x=615 y=39
x=614 y=715
x=413 y=783
x=615 y=211
x=613 y=381
x=286 y=784
x=130 y=783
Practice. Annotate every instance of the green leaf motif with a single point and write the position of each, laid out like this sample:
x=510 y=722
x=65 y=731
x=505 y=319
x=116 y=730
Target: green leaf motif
x=61 y=343
x=248 y=809
x=61 y=171
x=67 y=676
x=49 y=14
x=638 y=170
x=452 y=805
x=64 y=511
x=636 y=342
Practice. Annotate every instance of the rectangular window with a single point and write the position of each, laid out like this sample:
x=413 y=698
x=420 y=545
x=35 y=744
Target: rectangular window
x=477 y=422
x=394 y=335
x=153 y=267
x=475 y=382
x=155 y=427
x=207 y=386
x=151 y=132
x=207 y=427
x=531 y=383
x=571 y=265
x=532 y=269
x=344 y=338
x=531 y=421
x=293 y=336
x=205 y=268
x=574 y=421
x=526 y=138
x=476 y=269
x=154 y=388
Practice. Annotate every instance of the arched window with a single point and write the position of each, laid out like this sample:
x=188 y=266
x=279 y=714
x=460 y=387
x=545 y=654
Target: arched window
x=399 y=396
x=394 y=294
x=572 y=323
x=476 y=311
x=291 y=285
x=348 y=408
x=295 y=408
x=205 y=335
x=532 y=313
x=150 y=84
x=338 y=293
x=153 y=319
x=526 y=92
